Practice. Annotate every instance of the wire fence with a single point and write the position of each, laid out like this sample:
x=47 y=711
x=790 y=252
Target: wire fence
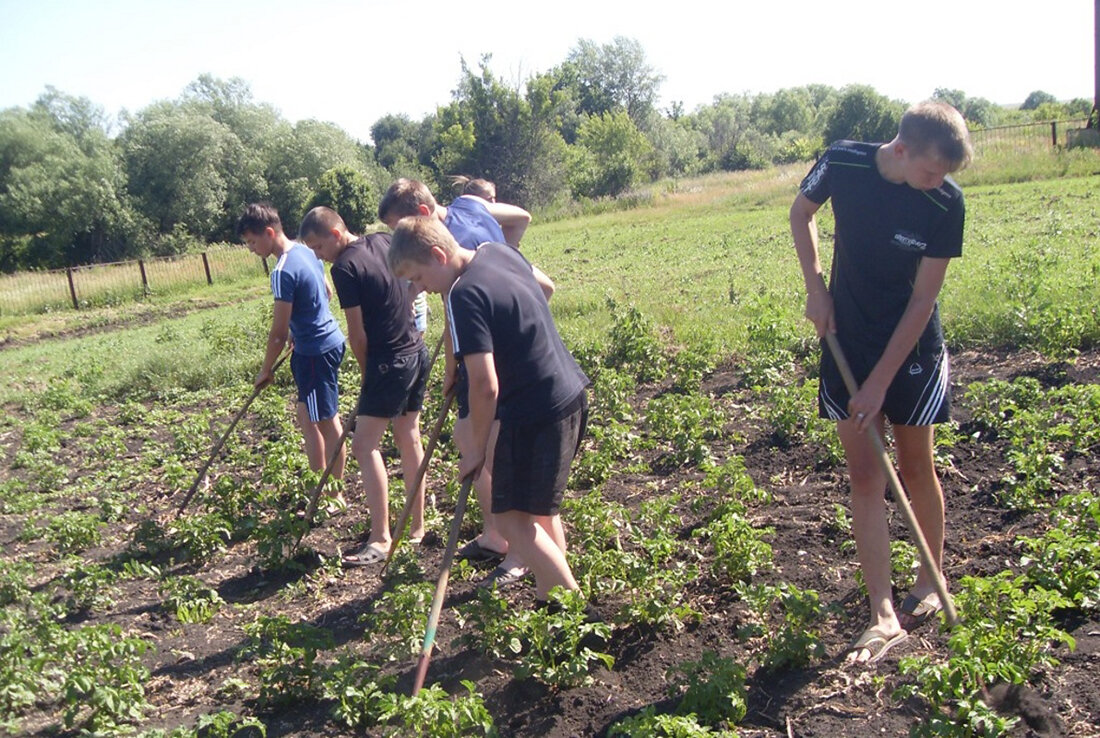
x=98 y=285
x=1029 y=137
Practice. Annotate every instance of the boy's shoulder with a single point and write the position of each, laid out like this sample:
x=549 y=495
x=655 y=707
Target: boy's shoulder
x=852 y=153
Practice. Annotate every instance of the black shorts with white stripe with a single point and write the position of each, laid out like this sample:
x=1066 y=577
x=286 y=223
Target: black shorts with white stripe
x=919 y=395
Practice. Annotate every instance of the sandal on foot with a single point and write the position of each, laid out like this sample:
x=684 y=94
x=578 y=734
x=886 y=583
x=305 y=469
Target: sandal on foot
x=876 y=643
x=474 y=551
x=913 y=612
x=368 y=555
x=501 y=577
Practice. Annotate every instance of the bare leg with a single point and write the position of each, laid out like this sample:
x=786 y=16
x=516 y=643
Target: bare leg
x=368 y=434
x=491 y=536
x=331 y=430
x=916 y=463
x=540 y=552
x=406 y=434
x=314 y=440
x=869 y=527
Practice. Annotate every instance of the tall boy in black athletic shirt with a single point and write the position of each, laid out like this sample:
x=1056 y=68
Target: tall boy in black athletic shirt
x=519 y=371
x=899 y=221
x=393 y=362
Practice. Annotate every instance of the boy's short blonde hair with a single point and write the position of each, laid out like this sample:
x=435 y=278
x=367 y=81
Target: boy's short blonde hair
x=475 y=186
x=403 y=198
x=413 y=239
x=936 y=128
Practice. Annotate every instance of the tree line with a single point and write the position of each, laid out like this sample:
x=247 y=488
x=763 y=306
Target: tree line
x=78 y=186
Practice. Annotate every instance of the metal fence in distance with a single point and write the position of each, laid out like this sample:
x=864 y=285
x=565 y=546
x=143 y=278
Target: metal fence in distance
x=1027 y=137
x=97 y=285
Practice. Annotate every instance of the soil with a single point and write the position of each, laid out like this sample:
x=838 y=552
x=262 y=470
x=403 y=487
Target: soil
x=190 y=663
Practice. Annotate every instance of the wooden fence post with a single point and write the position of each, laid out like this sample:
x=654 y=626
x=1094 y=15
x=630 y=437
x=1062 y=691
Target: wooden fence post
x=144 y=279
x=206 y=266
x=1054 y=133
x=72 y=287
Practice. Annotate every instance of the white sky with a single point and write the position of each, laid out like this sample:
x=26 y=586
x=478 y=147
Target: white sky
x=353 y=62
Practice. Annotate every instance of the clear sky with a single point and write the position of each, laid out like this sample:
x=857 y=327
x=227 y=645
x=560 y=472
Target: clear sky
x=353 y=62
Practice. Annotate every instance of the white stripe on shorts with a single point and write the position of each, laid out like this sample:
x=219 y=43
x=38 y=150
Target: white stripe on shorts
x=831 y=407
x=933 y=395
x=311 y=406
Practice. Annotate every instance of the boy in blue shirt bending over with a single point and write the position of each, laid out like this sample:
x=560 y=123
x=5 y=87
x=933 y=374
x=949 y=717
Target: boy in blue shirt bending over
x=301 y=314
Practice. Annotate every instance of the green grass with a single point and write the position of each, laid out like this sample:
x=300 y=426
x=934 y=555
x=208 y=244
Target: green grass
x=709 y=261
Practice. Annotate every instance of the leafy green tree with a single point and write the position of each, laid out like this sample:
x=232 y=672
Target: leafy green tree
x=976 y=110
x=1037 y=98
x=490 y=130
x=188 y=171
x=862 y=114
x=295 y=159
x=677 y=148
x=611 y=155
x=614 y=75
x=347 y=191
x=62 y=189
x=722 y=124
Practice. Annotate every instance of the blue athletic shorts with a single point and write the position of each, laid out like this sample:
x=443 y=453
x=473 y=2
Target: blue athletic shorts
x=919 y=394
x=316 y=377
x=394 y=386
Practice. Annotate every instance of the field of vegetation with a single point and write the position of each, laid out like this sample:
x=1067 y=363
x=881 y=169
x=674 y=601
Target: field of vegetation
x=706 y=515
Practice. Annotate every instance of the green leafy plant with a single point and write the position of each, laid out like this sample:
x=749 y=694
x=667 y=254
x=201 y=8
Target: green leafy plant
x=1005 y=629
x=200 y=535
x=434 y=712
x=712 y=688
x=90 y=586
x=740 y=550
x=684 y=425
x=104 y=681
x=650 y=724
x=356 y=687
x=72 y=531
x=395 y=631
x=190 y=599
x=795 y=642
x=286 y=654
x=554 y=651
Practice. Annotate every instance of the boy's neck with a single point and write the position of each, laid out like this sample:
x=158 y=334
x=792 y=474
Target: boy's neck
x=282 y=244
x=888 y=162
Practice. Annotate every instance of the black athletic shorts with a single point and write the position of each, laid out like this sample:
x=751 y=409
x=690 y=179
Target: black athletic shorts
x=394 y=386
x=919 y=395
x=531 y=466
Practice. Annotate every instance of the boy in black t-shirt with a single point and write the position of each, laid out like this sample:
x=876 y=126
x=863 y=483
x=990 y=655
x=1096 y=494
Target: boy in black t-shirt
x=519 y=371
x=899 y=221
x=393 y=362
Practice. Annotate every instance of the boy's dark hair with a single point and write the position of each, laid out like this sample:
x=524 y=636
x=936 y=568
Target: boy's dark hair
x=936 y=128
x=403 y=198
x=320 y=221
x=257 y=217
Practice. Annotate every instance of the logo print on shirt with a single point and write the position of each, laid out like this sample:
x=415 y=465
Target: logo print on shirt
x=915 y=369
x=907 y=241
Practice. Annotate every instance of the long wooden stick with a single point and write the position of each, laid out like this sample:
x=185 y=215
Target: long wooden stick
x=411 y=494
x=926 y=558
x=221 y=441
x=441 y=586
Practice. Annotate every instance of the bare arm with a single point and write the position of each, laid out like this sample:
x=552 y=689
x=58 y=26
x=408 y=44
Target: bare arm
x=357 y=337
x=512 y=218
x=926 y=288
x=484 y=390
x=276 y=340
x=819 y=304
x=545 y=282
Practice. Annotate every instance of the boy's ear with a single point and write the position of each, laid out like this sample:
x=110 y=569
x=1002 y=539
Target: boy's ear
x=269 y=232
x=439 y=255
x=422 y=209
